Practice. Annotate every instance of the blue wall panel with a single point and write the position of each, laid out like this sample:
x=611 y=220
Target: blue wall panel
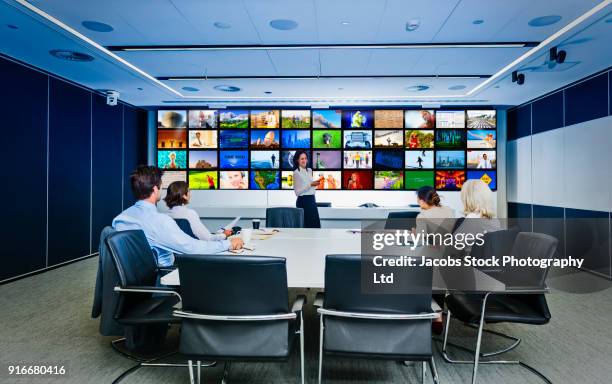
x=548 y=113
x=69 y=171
x=587 y=100
x=135 y=142
x=107 y=128
x=588 y=238
x=550 y=220
x=24 y=142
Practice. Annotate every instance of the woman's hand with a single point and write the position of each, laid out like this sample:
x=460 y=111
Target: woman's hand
x=228 y=232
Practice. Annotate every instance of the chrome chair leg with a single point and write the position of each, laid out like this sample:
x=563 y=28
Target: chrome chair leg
x=199 y=371
x=226 y=369
x=516 y=340
x=424 y=372
x=320 y=348
x=302 y=373
x=191 y=380
x=479 y=339
x=434 y=370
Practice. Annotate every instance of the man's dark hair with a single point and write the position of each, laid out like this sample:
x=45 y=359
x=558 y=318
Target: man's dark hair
x=143 y=179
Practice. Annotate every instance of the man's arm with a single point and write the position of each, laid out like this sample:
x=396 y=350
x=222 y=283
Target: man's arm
x=172 y=237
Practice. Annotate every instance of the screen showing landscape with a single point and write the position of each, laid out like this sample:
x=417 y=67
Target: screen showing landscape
x=348 y=149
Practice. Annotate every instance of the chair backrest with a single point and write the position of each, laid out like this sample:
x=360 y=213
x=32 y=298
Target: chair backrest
x=343 y=289
x=185 y=227
x=401 y=220
x=134 y=260
x=536 y=246
x=233 y=285
x=284 y=217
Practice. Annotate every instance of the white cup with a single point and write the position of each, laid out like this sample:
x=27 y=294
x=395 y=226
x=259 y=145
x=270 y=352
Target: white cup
x=245 y=235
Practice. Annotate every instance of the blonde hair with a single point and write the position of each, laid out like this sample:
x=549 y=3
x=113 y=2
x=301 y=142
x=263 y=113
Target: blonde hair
x=477 y=197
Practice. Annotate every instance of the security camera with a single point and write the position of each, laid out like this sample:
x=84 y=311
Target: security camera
x=557 y=56
x=518 y=78
x=112 y=97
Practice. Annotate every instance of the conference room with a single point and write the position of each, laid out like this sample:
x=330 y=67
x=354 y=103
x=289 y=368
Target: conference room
x=306 y=191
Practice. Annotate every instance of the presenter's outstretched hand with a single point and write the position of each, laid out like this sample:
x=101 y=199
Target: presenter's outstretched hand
x=236 y=243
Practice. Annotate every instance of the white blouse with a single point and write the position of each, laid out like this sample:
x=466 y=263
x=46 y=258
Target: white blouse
x=198 y=228
x=301 y=182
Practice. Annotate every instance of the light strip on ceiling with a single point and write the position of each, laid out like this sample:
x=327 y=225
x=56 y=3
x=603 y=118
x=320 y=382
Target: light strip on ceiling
x=270 y=78
x=480 y=86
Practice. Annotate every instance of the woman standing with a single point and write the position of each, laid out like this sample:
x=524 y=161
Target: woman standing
x=304 y=188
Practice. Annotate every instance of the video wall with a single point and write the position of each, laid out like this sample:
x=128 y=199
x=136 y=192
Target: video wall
x=349 y=149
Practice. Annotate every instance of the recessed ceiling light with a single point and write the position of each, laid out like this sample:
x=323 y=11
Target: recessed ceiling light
x=340 y=89
x=11 y=26
x=497 y=86
x=544 y=21
x=67 y=55
x=140 y=89
x=227 y=88
x=283 y=24
x=417 y=88
x=413 y=24
x=190 y=89
x=97 y=26
x=609 y=21
x=478 y=21
x=268 y=92
x=222 y=25
x=456 y=87
x=345 y=22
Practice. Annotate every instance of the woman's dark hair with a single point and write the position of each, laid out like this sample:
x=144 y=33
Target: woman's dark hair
x=143 y=179
x=429 y=195
x=296 y=158
x=176 y=194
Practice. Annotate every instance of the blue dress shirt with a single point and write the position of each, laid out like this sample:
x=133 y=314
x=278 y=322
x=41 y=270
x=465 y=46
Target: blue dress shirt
x=163 y=234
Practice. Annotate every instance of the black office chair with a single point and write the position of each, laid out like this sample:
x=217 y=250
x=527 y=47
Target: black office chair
x=377 y=326
x=523 y=302
x=401 y=220
x=185 y=227
x=236 y=308
x=284 y=217
x=496 y=243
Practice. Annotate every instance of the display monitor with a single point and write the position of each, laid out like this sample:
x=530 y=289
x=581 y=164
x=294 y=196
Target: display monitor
x=264 y=179
x=169 y=177
x=450 y=119
x=450 y=159
x=233 y=159
x=357 y=139
x=450 y=138
x=389 y=160
x=481 y=159
x=419 y=139
x=449 y=180
x=419 y=159
x=234 y=180
x=389 y=180
x=326 y=139
x=171 y=119
x=234 y=118
x=327 y=159
x=202 y=159
x=357 y=180
x=172 y=139
x=265 y=139
x=293 y=138
x=292 y=118
x=326 y=118
x=389 y=138
x=389 y=118
x=203 y=119
x=488 y=177
x=357 y=159
x=328 y=179
x=203 y=180
x=418 y=179
x=420 y=119
x=265 y=159
x=481 y=119
x=358 y=119
x=268 y=118
x=481 y=139
x=202 y=139
x=238 y=138
x=169 y=159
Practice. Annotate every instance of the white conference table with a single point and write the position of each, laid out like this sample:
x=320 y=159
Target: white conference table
x=305 y=249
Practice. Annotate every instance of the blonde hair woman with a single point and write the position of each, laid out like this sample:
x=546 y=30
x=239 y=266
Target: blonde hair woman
x=477 y=200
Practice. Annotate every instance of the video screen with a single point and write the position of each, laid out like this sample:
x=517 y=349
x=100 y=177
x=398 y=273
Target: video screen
x=450 y=159
x=389 y=118
x=388 y=180
x=358 y=119
x=389 y=138
x=420 y=119
x=265 y=180
x=203 y=180
x=265 y=159
x=481 y=160
x=358 y=159
x=287 y=180
x=203 y=119
x=203 y=139
x=265 y=139
x=489 y=178
x=327 y=159
x=326 y=118
x=170 y=177
x=419 y=139
x=357 y=139
x=295 y=118
x=234 y=139
x=450 y=119
x=418 y=179
x=172 y=139
x=233 y=159
x=328 y=179
x=389 y=160
x=234 y=119
x=331 y=139
x=171 y=119
x=234 y=180
x=449 y=180
x=172 y=159
x=481 y=138
x=202 y=159
x=265 y=118
x=482 y=119
x=296 y=138
x=355 y=180
x=450 y=138
x=287 y=160
x=419 y=159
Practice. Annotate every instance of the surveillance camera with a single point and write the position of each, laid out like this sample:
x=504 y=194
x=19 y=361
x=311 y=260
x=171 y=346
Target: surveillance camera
x=112 y=97
x=520 y=79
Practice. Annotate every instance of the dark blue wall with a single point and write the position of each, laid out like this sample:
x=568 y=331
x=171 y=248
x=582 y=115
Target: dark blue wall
x=65 y=166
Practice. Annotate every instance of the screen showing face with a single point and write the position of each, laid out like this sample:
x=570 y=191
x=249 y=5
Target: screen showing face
x=203 y=119
x=202 y=139
x=287 y=159
x=419 y=139
x=420 y=119
x=355 y=180
x=234 y=179
x=481 y=160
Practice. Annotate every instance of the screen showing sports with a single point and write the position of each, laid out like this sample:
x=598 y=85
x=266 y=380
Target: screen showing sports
x=348 y=149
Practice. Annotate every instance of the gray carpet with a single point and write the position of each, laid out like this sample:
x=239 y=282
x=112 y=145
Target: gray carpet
x=46 y=318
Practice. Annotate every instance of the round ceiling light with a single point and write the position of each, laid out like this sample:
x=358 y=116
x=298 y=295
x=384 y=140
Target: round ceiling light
x=68 y=55
x=544 y=21
x=11 y=26
x=97 y=26
x=417 y=88
x=190 y=89
x=413 y=24
x=283 y=24
x=456 y=87
x=478 y=21
x=222 y=25
x=227 y=88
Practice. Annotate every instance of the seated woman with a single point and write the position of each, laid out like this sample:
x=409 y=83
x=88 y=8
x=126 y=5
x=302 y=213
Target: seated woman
x=434 y=217
x=477 y=200
x=176 y=199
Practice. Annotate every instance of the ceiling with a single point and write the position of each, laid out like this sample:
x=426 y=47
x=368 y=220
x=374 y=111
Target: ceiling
x=308 y=65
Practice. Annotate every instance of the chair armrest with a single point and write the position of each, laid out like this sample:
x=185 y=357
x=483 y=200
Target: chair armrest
x=147 y=289
x=200 y=316
x=378 y=316
x=318 y=301
x=298 y=304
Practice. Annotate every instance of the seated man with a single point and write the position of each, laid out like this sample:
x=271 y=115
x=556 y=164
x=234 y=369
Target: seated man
x=163 y=234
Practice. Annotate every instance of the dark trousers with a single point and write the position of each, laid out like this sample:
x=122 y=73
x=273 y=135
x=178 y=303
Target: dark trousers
x=311 y=212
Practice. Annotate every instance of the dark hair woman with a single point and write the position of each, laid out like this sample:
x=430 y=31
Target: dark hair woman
x=434 y=217
x=305 y=188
